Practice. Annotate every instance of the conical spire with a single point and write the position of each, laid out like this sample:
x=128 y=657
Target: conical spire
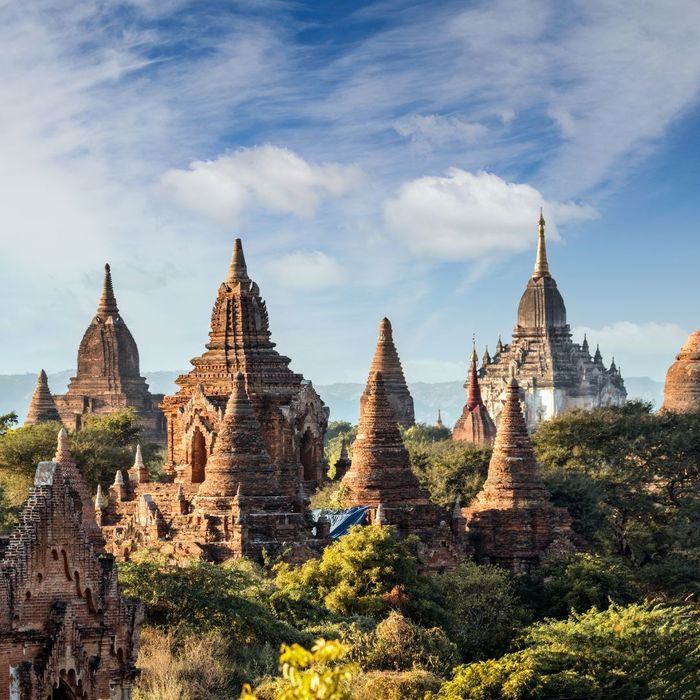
x=42 y=407
x=486 y=359
x=108 y=302
x=513 y=477
x=474 y=391
x=138 y=473
x=499 y=346
x=386 y=360
x=598 y=357
x=380 y=469
x=585 y=347
x=541 y=264
x=239 y=457
x=237 y=271
x=118 y=478
x=475 y=424
x=98 y=498
x=138 y=458
x=439 y=422
x=63 y=455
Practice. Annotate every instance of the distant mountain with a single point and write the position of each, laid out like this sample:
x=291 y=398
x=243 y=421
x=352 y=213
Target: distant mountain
x=342 y=398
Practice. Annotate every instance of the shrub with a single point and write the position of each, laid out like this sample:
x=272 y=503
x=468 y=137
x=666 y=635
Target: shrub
x=394 y=685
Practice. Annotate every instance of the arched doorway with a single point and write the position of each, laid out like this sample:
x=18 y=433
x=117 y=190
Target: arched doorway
x=307 y=453
x=199 y=456
x=63 y=692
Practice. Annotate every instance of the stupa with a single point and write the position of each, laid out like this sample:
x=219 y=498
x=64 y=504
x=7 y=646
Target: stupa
x=554 y=373
x=511 y=521
x=108 y=378
x=475 y=424
x=42 y=407
x=682 y=388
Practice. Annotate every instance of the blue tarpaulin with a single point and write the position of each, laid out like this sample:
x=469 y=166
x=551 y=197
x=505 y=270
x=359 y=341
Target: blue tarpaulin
x=342 y=520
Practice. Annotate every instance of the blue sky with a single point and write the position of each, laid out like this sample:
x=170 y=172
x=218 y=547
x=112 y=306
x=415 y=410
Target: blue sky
x=377 y=158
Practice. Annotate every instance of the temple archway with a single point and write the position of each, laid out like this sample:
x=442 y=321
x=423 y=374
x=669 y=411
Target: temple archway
x=307 y=454
x=199 y=457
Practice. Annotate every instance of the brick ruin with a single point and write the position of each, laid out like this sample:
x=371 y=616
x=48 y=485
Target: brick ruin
x=381 y=478
x=66 y=631
x=108 y=378
x=512 y=522
x=474 y=424
x=292 y=417
x=682 y=388
x=239 y=509
x=386 y=360
x=245 y=446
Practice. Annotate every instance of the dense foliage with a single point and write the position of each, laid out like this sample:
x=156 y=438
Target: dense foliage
x=103 y=445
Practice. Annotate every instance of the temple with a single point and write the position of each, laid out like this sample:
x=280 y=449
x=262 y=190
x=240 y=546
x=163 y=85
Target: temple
x=554 y=373
x=682 y=388
x=42 y=407
x=475 y=424
x=245 y=446
x=511 y=521
x=108 y=378
x=380 y=477
x=66 y=631
x=386 y=360
x=237 y=510
x=290 y=413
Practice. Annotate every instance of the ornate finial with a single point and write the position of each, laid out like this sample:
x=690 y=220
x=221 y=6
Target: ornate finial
x=486 y=359
x=385 y=330
x=499 y=346
x=98 y=498
x=237 y=271
x=108 y=302
x=379 y=516
x=138 y=459
x=541 y=264
x=119 y=478
x=598 y=357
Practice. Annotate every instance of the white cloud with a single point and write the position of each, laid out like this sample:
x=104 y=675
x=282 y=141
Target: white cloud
x=265 y=177
x=464 y=216
x=299 y=270
x=433 y=130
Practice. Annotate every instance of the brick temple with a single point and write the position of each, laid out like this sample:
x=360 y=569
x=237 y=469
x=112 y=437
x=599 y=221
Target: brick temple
x=291 y=415
x=42 y=407
x=512 y=522
x=682 y=388
x=245 y=446
x=554 y=373
x=381 y=478
x=66 y=631
x=108 y=378
x=474 y=424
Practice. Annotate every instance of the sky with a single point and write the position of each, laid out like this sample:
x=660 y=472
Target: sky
x=377 y=159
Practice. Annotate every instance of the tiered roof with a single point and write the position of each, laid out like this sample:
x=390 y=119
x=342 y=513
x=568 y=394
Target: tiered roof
x=42 y=407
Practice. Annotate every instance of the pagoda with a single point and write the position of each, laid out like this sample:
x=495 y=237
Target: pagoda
x=475 y=424
x=554 y=373
x=682 y=388
x=386 y=360
x=108 y=378
x=289 y=412
x=237 y=510
x=380 y=478
x=42 y=407
x=512 y=521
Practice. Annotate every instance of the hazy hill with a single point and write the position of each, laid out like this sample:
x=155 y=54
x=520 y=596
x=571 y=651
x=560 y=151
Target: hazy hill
x=343 y=398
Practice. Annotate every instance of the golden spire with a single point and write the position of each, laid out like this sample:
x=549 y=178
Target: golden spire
x=541 y=264
x=474 y=357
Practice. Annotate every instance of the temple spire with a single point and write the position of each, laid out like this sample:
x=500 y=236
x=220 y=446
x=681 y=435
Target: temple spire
x=42 y=407
x=237 y=271
x=108 y=302
x=474 y=393
x=541 y=264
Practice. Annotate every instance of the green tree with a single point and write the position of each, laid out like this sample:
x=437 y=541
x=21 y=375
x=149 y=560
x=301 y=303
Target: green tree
x=630 y=478
x=341 y=431
x=422 y=432
x=7 y=421
x=367 y=572
x=484 y=612
x=622 y=653
x=450 y=469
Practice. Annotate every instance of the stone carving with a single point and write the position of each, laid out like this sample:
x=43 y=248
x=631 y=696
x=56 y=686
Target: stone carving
x=682 y=388
x=554 y=373
x=65 y=628
x=512 y=522
x=108 y=377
